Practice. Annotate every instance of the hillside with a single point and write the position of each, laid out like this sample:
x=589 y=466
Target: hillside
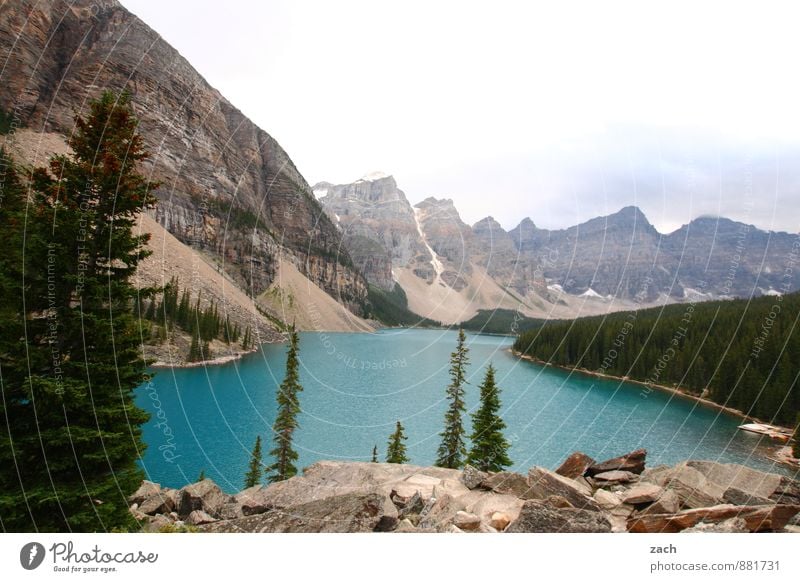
x=228 y=188
x=739 y=353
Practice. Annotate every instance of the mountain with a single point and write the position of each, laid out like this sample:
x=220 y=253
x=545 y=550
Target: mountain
x=450 y=271
x=228 y=189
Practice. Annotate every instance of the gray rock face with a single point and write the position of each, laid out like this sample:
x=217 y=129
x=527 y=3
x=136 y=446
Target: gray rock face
x=624 y=256
x=733 y=525
x=539 y=517
x=229 y=188
x=204 y=496
x=349 y=513
x=378 y=227
x=472 y=477
x=507 y=482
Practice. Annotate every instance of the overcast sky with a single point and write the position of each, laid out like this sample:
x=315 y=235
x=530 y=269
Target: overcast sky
x=556 y=110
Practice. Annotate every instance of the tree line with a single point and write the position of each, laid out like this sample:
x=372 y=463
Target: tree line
x=172 y=308
x=740 y=353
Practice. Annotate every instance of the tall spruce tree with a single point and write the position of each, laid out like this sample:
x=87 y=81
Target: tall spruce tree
x=375 y=454
x=71 y=432
x=253 y=476
x=286 y=421
x=452 y=450
x=396 y=451
x=489 y=450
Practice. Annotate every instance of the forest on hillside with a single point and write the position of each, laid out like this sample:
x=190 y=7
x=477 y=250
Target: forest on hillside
x=740 y=353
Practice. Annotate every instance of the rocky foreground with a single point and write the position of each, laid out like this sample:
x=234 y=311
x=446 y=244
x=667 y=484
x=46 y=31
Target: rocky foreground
x=617 y=495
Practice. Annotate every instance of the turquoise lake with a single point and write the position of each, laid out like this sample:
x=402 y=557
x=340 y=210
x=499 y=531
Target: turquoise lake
x=356 y=386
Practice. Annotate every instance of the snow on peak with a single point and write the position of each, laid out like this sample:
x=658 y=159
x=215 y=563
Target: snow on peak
x=320 y=192
x=591 y=293
x=372 y=176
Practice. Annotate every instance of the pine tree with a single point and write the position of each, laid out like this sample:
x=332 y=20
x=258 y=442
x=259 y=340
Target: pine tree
x=71 y=434
x=253 y=476
x=375 y=454
x=286 y=421
x=489 y=450
x=201 y=476
x=452 y=450
x=396 y=452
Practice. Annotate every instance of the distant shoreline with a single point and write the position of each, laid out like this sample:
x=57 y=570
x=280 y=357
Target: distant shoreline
x=218 y=361
x=674 y=391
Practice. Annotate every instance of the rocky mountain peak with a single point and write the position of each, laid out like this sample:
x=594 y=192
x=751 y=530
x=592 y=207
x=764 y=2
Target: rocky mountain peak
x=487 y=224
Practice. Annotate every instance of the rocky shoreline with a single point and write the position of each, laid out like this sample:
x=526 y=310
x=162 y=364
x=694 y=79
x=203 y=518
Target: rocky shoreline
x=582 y=496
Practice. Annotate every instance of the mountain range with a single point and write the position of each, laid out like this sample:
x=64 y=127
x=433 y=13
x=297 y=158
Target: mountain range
x=449 y=269
x=273 y=248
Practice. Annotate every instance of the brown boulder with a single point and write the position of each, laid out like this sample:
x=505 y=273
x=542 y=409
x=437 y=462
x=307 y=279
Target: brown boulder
x=757 y=518
x=544 y=484
x=575 y=465
x=642 y=493
x=632 y=462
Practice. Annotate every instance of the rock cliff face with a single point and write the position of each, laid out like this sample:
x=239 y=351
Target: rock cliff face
x=378 y=227
x=622 y=255
x=228 y=188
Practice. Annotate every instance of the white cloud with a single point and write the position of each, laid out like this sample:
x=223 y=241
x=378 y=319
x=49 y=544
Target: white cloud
x=512 y=108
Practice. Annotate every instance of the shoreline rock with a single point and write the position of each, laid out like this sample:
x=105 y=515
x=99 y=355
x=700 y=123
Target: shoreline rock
x=331 y=496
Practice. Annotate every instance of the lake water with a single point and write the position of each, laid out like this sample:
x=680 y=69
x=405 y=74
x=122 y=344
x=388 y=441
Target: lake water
x=356 y=386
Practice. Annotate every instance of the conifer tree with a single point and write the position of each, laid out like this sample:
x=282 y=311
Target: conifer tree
x=253 y=476
x=70 y=432
x=489 y=450
x=452 y=450
x=286 y=420
x=396 y=452
x=375 y=454
x=201 y=476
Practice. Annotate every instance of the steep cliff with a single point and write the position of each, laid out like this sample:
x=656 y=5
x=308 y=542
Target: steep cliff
x=228 y=188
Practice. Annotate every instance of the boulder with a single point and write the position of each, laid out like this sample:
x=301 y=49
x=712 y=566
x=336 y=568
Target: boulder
x=198 y=517
x=692 y=487
x=642 y=493
x=584 y=485
x=506 y=483
x=158 y=503
x=411 y=506
x=472 y=477
x=575 y=465
x=733 y=525
x=204 y=495
x=539 y=517
x=558 y=501
x=736 y=496
x=614 y=477
x=466 y=521
x=348 y=513
x=253 y=500
x=607 y=499
x=145 y=490
x=488 y=503
x=440 y=515
x=633 y=462
x=499 y=520
x=543 y=483
x=156 y=523
x=669 y=502
x=406 y=526
x=757 y=518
